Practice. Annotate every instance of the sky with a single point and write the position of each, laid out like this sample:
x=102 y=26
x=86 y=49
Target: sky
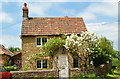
x=100 y=17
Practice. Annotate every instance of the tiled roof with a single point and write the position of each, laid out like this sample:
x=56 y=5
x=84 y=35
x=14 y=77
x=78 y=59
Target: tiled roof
x=3 y=50
x=52 y=26
x=17 y=53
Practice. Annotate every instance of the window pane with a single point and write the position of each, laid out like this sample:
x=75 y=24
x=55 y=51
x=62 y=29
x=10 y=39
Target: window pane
x=44 y=63
x=44 y=40
x=38 y=63
x=38 y=41
x=75 y=63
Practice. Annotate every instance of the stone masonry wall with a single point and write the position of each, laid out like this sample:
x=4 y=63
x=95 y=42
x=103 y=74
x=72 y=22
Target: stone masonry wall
x=31 y=74
x=29 y=48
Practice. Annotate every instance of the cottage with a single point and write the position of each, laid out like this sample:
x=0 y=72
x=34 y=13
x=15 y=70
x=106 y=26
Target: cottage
x=36 y=31
x=5 y=56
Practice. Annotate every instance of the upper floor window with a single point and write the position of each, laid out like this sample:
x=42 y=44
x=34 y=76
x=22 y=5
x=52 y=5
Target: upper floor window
x=75 y=63
x=42 y=64
x=41 y=41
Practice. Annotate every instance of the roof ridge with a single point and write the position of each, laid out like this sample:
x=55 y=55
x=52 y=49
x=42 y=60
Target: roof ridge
x=55 y=17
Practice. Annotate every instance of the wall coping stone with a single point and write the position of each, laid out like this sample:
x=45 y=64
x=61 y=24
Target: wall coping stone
x=33 y=71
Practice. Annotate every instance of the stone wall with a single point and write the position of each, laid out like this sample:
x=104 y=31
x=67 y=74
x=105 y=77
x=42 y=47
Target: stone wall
x=75 y=71
x=30 y=74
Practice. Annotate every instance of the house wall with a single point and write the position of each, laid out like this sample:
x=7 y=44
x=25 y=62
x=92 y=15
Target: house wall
x=29 y=48
x=17 y=59
x=3 y=59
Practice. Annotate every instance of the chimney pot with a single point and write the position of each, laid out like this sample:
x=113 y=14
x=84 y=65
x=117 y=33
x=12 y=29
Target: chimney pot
x=25 y=6
x=25 y=12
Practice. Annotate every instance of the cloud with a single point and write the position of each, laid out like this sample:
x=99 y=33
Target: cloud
x=107 y=29
x=5 y=18
x=10 y=40
x=94 y=10
x=39 y=9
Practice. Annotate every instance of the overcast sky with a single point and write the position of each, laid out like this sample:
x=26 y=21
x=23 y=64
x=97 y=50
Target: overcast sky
x=99 y=17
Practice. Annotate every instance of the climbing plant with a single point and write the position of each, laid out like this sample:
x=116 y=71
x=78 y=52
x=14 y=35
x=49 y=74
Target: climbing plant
x=53 y=44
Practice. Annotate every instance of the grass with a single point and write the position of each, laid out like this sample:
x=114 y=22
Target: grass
x=116 y=73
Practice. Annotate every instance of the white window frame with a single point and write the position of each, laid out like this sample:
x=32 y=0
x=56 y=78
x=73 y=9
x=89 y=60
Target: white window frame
x=41 y=41
x=41 y=63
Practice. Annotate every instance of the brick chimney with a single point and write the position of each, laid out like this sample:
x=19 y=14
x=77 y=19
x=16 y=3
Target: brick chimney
x=25 y=12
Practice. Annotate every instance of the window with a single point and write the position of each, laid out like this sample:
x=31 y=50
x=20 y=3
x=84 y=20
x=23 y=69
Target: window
x=75 y=63
x=42 y=64
x=41 y=41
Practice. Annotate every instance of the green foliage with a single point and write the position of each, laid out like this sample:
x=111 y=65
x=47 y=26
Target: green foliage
x=49 y=77
x=10 y=68
x=14 y=50
x=53 y=44
x=103 y=52
x=37 y=55
x=8 y=62
x=36 y=77
x=83 y=75
x=25 y=68
x=116 y=62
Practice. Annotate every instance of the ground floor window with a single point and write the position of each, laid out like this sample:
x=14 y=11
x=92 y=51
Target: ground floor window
x=42 y=64
x=75 y=63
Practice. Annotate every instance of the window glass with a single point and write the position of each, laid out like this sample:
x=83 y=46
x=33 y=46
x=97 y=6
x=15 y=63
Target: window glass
x=41 y=41
x=44 y=63
x=38 y=41
x=75 y=64
x=44 y=40
x=41 y=64
x=38 y=63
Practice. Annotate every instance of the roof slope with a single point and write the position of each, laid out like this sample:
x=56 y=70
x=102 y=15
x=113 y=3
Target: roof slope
x=52 y=26
x=3 y=50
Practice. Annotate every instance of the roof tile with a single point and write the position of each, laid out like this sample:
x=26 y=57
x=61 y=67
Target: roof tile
x=52 y=26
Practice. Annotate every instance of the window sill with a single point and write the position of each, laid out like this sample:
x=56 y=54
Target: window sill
x=39 y=46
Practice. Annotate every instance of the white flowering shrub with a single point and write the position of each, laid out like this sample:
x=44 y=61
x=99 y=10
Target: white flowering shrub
x=85 y=42
x=83 y=45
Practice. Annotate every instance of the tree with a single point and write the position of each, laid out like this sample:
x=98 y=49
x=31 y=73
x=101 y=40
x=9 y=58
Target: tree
x=103 y=52
x=14 y=50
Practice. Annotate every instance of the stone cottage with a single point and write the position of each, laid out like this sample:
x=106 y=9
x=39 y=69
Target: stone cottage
x=38 y=30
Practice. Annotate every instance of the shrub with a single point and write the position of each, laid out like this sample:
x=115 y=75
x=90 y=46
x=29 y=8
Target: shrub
x=49 y=77
x=10 y=68
x=36 y=77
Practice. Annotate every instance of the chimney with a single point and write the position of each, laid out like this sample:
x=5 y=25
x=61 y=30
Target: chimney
x=25 y=12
